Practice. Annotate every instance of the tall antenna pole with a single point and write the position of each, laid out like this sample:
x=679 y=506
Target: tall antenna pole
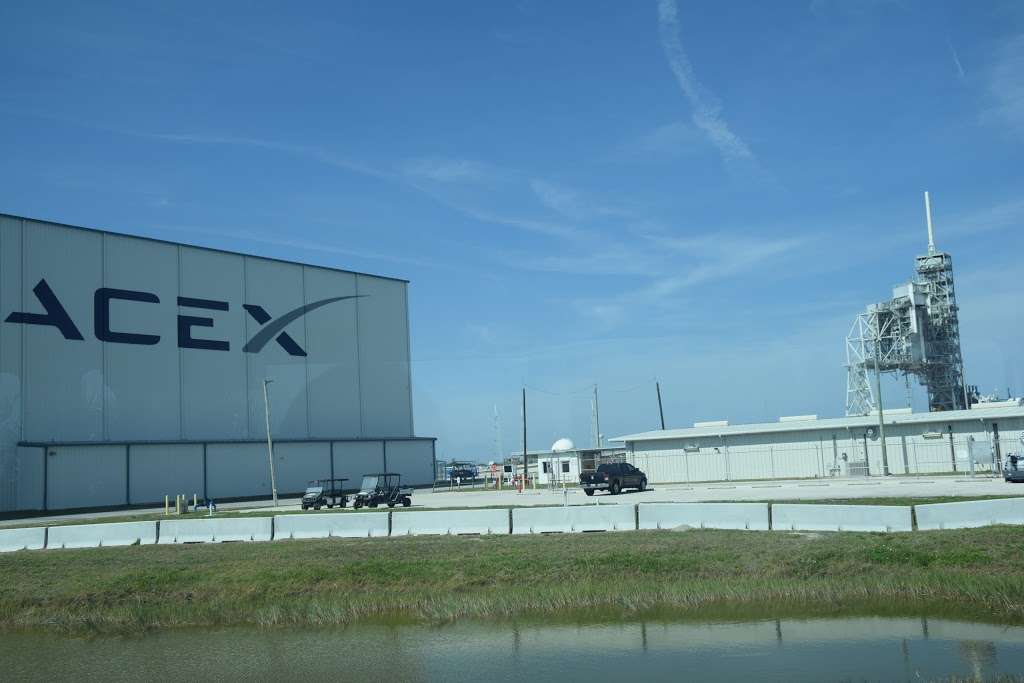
x=524 y=437
x=661 y=413
x=597 y=420
x=270 y=443
x=928 y=216
x=881 y=416
x=499 y=446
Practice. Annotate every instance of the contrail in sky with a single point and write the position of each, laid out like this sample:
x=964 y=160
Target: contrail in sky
x=707 y=112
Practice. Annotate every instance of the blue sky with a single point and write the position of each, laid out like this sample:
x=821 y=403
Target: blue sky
x=580 y=192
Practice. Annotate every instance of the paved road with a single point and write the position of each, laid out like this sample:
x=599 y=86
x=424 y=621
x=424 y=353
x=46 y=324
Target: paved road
x=893 y=487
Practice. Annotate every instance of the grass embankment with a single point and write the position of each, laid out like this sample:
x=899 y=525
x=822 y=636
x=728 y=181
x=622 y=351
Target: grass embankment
x=968 y=573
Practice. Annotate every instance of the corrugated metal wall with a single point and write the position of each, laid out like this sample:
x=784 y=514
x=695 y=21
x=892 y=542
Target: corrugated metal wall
x=354 y=382
x=102 y=475
x=826 y=453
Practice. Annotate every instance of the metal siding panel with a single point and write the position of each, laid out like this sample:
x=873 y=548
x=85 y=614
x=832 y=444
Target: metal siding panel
x=85 y=476
x=143 y=381
x=165 y=470
x=11 y=484
x=214 y=403
x=237 y=470
x=63 y=387
x=384 y=358
x=413 y=460
x=31 y=479
x=277 y=287
x=333 y=361
x=353 y=459
x=296 y=464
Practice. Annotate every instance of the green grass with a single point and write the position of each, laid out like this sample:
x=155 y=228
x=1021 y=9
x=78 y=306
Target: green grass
x=967 y=574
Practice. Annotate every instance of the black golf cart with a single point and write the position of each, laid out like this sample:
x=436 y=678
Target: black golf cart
x=324 y=493
x=382 y=488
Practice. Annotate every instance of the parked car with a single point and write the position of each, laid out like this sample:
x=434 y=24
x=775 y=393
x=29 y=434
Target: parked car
x=462 y=470
x=383 y=487
x=324 y=493
x=613 y=477
x=1013 y=468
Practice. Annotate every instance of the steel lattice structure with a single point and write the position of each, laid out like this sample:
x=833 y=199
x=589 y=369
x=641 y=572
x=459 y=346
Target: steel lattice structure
x=917 y=332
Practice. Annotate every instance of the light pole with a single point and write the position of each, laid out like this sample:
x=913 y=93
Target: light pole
x=270 y=443
x=881 y=417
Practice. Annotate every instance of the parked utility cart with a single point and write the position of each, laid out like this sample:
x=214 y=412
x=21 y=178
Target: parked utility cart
x=324 y=493
x=384 y=488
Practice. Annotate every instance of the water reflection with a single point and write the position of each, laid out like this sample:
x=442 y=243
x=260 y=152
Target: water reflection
x=778 y=649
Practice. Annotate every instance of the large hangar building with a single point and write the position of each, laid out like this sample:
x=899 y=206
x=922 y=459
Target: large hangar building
x=132 y=368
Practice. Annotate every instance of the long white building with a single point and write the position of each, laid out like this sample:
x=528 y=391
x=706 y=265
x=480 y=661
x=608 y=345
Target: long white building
x=807 y=447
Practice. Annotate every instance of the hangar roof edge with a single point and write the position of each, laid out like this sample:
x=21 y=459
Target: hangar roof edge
x=197 y=246
x=896 y=418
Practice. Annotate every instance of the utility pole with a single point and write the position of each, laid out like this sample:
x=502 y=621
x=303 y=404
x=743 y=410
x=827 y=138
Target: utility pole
x=881 y=418
x=270 y=443
x=661 y=413
x=597 y=420
x=524 y=437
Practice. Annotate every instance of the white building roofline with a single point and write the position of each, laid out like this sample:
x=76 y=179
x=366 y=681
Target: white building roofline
x=1003 y=410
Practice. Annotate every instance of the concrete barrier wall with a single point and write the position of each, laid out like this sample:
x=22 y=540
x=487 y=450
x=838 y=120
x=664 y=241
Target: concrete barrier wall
x=540 y=520
x=970 y=514
x=841 y=517
x=338 y=525
x=703 y=515
x=217 y=530
x=101 y=535
x=22 y=539
x=454 y=522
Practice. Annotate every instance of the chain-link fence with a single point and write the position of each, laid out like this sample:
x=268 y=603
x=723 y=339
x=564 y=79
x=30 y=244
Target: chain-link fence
x=929 y=454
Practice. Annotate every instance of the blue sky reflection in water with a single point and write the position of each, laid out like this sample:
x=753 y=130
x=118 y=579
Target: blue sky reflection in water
x=787 y=650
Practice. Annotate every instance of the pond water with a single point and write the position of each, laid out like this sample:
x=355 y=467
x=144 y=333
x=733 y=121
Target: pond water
x=873 y=649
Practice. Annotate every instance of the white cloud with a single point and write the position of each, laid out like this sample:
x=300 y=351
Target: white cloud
x=447 y=170
x=559 y=199
x=677 y=264
x=670 y=138
x=707 y=112
x=1006 y=85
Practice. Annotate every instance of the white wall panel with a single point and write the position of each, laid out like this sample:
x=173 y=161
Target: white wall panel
x=143 y=381
x=333 y=362
x=159 y=470
x=214 y=396
x=353 y=459
x=64 y=388
x=296 y=464
x=237 y=470
x=86 y=476
x=412 y=459
x=30 y=478
x=277 y=288
x=10 y=362
x=384 y=358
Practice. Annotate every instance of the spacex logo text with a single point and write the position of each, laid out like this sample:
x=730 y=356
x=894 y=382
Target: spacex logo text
x=273 y=328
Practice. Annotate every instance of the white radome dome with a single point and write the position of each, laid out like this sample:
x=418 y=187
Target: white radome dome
x=562 y=445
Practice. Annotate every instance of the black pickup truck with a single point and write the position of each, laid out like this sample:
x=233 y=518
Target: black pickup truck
x=613 y=477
